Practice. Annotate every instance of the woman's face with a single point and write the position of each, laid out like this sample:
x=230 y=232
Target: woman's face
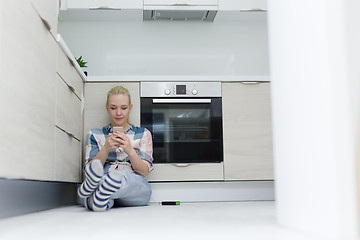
x=118 y=109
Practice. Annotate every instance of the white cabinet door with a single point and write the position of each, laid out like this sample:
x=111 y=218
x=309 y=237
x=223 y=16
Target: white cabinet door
x=68 y=120
x=95 y=114
x=67 y=158
x=247 y=131
x=88 y=4
x=243 y=5
x=27 y=93
x=48 y=10
x=68 y=115
x=67 y=71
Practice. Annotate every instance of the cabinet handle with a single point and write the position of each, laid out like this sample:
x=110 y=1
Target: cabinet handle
x=253 y=10
x=68 y=133
x=251 y=83
x=182 y=164
x=71 y=88
x=186 y=100
x=47 y=25
x=104 y=8
x=180 y=4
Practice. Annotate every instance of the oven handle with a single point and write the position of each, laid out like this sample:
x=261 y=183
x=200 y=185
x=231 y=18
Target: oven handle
x=182 y=164
x=185 y=100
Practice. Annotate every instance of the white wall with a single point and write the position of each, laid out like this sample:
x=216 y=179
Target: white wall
x=313 y=54
x=171 y=48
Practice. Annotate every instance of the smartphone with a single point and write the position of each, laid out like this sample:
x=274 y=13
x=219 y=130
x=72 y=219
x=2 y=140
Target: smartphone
x=118 y=129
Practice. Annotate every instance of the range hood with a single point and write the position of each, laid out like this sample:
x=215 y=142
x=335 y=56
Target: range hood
x=183 y=10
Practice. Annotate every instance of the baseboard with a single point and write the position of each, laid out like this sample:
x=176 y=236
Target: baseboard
x=20 y=197
x=213 y=191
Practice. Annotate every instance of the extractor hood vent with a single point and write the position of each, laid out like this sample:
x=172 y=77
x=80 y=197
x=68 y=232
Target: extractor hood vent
x=195 y=10
x=179 y=15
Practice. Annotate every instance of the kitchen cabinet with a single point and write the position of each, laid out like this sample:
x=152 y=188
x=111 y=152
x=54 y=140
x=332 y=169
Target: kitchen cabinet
x=68 y=133
x=247 y=131
x=104 y=4
x=244 y=5
x=67 y=157
x=66 y=70
x=100 y=10
x=27 y=92
x=95 y=115
x=40 y=97
x=68 y=115
x=69 y=96
x=68 y=119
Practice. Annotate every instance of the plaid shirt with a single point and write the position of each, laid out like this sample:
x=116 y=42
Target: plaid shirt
x=140 y=139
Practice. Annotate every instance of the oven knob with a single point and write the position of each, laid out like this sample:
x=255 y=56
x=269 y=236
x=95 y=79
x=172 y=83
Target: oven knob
x=167 y=91
x=194 y=91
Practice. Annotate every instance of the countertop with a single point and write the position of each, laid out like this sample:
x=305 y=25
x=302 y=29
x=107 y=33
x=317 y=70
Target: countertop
x=70 y=56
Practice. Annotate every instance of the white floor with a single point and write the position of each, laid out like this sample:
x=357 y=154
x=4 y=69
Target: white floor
x=216 y=220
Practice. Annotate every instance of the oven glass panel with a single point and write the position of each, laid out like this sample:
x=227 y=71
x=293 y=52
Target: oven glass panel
x=184 y=132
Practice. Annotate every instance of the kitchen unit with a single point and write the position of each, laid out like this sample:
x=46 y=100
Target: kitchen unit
x=55 y=110
x=247 y=145
x=247 y=131
x=125 y=58
x=68 y=119
x=152 y=9
x=41 y=98
x=50 y=93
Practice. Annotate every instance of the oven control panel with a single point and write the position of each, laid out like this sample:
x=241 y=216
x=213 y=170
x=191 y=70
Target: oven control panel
x=180 y=89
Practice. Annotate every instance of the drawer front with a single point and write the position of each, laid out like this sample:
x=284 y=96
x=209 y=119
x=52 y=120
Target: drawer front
x=65 y=68
x=67 y=157
x=68 y=115
x=186 y=172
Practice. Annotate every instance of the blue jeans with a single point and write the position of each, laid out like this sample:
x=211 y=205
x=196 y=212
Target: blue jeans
x=135 y=191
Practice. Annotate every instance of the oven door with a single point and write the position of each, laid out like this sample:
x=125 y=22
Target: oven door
x=185 y=130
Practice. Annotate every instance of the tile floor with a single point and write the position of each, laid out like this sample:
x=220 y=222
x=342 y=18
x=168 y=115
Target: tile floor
x=209 y=220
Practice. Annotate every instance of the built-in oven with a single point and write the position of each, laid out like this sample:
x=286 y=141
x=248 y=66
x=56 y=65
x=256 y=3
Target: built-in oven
x=185 y=119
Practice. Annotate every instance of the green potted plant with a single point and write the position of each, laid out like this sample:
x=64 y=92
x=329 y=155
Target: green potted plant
x=82 y=63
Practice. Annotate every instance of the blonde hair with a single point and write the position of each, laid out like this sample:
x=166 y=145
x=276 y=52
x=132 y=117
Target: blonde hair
x=118 y=90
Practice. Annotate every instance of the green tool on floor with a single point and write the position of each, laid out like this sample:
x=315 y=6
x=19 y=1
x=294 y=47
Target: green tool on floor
x=170 y=203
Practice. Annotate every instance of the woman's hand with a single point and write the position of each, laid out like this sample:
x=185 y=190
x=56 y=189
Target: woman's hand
x=123 y=142
x=112 y=142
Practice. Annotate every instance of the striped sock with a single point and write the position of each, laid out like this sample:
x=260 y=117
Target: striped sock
x=110 y=185
x=93 y=173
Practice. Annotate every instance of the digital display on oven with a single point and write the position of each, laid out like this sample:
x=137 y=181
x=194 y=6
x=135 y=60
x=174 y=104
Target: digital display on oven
x=181 y=89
